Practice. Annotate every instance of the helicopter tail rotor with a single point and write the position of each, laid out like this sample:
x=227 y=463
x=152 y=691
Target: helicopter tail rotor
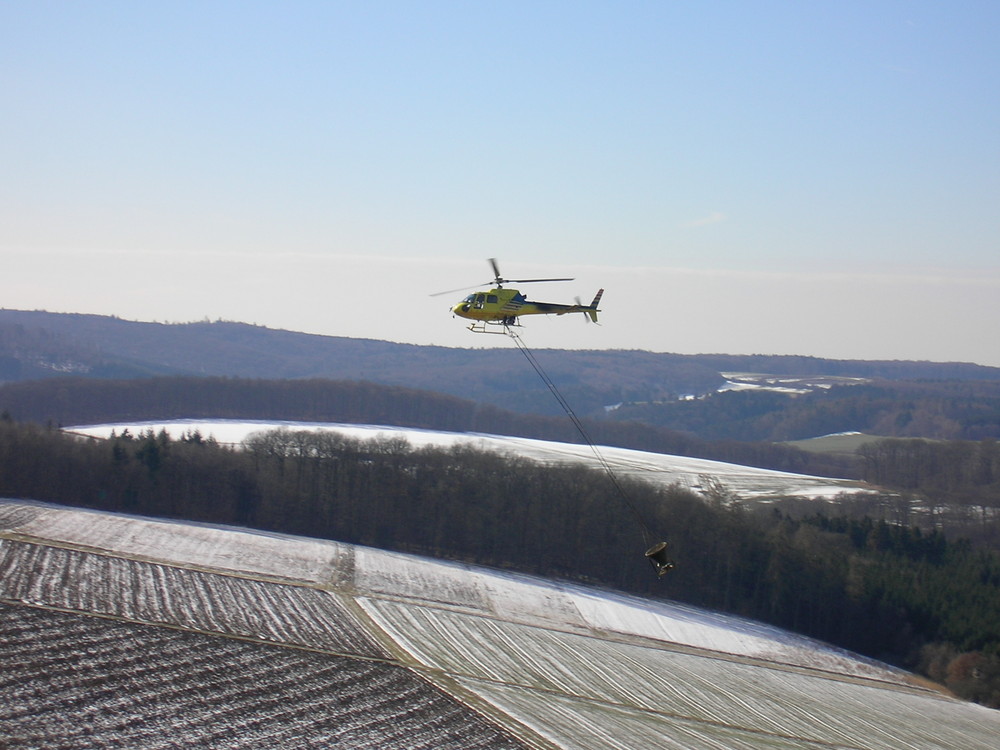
x=592 y=309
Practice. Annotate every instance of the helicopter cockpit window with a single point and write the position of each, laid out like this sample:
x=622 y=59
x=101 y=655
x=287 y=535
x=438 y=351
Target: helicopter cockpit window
x=470 y=298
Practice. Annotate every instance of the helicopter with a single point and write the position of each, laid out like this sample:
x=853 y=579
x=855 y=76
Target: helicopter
x=502 y=307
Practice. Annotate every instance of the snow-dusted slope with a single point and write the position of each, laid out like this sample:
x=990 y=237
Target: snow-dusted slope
x=231 y=638
x=697 y=474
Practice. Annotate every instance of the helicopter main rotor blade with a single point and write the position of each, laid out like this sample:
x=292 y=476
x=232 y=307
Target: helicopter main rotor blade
x=499 y=280
x=496 y=281
x=460 y=289
x=530 y=281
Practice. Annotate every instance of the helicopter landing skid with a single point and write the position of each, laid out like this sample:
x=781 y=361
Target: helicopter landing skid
x=480 y=326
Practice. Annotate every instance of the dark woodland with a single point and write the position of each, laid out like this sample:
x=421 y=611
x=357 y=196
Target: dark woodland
x=898 y=593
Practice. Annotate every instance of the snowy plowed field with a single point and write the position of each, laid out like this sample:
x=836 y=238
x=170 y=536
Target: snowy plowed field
x=146 y=592
x=122 y=631
x=84 y=682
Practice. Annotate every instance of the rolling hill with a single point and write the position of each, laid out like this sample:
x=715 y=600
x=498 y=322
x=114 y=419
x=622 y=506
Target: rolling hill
x=699 y=475
x=119 y=630
x=38 y=344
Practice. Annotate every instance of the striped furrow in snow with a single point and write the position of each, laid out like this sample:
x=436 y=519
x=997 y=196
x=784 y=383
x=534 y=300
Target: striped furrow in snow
x=677 y=623
x=381 y=572
x=775 y=701
x=512 y=596
x=530 y=600
x=148 y=592
x=184 y=689
x=577 y=724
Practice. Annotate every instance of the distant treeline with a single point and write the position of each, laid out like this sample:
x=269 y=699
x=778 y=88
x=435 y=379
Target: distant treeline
x=910 y=597
x=38 y=344
x=961 y=470
x=955 y=482
x=945 y=410
x=72 y=401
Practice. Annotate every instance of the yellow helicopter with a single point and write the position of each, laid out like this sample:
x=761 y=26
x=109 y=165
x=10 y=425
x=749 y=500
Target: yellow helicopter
x=502 y=307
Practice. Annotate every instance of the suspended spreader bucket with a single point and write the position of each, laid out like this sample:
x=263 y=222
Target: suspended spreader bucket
x=657 y=556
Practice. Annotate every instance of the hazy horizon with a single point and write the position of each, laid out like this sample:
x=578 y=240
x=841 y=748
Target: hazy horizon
x=740 y=178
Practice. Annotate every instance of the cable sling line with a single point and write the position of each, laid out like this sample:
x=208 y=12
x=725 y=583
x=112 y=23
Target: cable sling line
x=608 y=469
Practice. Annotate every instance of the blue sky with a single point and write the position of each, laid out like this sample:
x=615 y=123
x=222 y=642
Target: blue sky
x=743 y=177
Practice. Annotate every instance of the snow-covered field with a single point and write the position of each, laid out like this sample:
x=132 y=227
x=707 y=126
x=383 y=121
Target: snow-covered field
x=697 y=474
x=791 y=384
x=500 y=660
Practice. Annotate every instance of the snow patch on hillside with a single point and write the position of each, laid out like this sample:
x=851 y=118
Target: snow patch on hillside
x=700 y=475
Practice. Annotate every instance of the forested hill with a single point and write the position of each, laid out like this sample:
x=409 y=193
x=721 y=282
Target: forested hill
x=939 y=410
x=73 y=401
x=38 y=344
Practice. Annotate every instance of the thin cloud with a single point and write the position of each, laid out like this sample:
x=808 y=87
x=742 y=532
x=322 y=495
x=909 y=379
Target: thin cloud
x=713 y=218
